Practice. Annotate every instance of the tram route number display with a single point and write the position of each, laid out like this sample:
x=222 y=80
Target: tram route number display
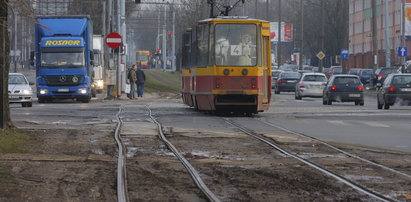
x=236 y=50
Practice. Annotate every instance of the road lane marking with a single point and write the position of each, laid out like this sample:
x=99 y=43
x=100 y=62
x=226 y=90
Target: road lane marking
x=338 y=122
x=375 y=124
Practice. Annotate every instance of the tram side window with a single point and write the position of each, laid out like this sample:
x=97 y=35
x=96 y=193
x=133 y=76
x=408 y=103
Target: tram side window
x=236 y=45
x=202 y=45
x=186 y=50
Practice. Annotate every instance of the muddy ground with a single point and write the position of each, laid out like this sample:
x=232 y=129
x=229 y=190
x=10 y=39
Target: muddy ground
x=76 y=162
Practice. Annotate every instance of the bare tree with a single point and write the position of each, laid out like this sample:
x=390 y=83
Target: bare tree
x=4 y=65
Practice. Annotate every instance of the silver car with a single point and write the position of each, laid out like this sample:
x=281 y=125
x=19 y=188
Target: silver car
x=310 y=85
x=20 y=90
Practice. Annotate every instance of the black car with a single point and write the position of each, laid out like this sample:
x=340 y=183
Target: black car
x=344 y=88
x=366 y=75
x=382 y=73
x=286 y=82
x=396 y=88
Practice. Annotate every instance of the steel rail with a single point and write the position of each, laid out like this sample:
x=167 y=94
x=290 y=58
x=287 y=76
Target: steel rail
x=194 y=174
x=338 y=149
x=340 y=178
x=121 y=192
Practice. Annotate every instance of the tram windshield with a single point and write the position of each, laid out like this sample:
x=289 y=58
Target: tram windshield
x=236 y=45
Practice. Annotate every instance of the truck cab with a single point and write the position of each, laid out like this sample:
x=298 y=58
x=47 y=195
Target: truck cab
x=64 y=58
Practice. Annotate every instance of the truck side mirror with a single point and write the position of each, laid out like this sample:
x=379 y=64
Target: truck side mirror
x=32 y=58
x=91 y=58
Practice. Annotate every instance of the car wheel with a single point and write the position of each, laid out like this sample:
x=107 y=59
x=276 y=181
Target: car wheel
x=357 y=103
x=29 y=104
x=297 y=97
x=324 y=102
x=23 y=104
x=362 y=103
x=379 y=105
x=386 y=106
x=329 y=102
x=277 y=91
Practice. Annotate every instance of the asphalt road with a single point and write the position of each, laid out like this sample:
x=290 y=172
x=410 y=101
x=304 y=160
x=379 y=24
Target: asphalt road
x=340 y=122
x=344 y=122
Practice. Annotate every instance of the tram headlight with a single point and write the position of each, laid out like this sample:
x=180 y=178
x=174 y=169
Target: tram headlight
x=253 y=83
x=226 y=72
x=217 y=82
x=244 y=72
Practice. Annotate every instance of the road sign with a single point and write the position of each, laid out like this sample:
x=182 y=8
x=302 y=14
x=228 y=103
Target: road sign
x=344 y=54
x=113 y=40
x=402 y=51
x=320 y=55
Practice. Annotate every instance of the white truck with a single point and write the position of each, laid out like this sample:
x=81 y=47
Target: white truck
x=99 y=64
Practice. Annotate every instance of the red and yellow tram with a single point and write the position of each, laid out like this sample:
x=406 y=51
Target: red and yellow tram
x=227 y=65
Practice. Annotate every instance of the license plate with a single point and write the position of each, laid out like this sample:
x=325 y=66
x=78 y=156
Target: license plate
x=63 y=90
x=354 y=95
x=291 y=81
x=406 y=89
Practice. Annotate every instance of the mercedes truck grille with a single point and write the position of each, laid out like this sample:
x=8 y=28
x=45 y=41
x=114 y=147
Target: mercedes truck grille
x=63 y=80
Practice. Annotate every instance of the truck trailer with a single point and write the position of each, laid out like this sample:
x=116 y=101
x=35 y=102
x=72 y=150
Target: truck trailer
x=63 y=57
x=99 y=64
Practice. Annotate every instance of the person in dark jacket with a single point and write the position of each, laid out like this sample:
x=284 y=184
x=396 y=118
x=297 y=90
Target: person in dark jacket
x=141 y=78
x=133 y=81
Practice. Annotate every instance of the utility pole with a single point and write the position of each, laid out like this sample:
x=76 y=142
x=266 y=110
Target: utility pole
x=164 y=50
x=322 y=35
x=374 y=35
x=403 y=44
x=279 y=36
x=256 y=9
x=267 y=12
x=302 y=34
x=173 y=42
x=387 y=36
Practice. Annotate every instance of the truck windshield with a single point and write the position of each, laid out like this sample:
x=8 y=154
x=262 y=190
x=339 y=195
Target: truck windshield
x=60 y=59
x=235 y=45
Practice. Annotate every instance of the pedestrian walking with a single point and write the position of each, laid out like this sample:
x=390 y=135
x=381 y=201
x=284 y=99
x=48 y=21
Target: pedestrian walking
x=141 y=78
x=133 y=80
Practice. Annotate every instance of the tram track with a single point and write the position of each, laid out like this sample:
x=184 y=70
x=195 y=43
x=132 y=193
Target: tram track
x=282 y=149
x=192 y=171
x=121 y=164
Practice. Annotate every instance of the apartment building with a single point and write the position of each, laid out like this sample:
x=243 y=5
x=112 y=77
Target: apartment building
x=360 y=32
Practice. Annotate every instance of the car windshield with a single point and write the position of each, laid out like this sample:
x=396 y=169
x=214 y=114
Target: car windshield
x=17 y=79
x=346 y=80
x=62 y=59
x=337 y=70
x=401 y=80
x=388 y=71
x=275 y=74
x=319 y=78
x=367 y=72
x=290 y=75
x=292 y=68
x=236 y=45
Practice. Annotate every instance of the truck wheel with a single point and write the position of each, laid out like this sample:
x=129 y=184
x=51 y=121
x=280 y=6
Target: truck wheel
x=41 y=100
x=86 y=100
x=93 y=92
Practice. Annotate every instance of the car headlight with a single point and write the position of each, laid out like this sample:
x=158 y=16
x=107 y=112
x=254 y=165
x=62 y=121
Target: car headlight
x=43 y=91
x=100 y=83
x=26 y=92
x=82 y=91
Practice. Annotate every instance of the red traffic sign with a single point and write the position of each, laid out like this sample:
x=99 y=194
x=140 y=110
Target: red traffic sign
x=113 y=40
